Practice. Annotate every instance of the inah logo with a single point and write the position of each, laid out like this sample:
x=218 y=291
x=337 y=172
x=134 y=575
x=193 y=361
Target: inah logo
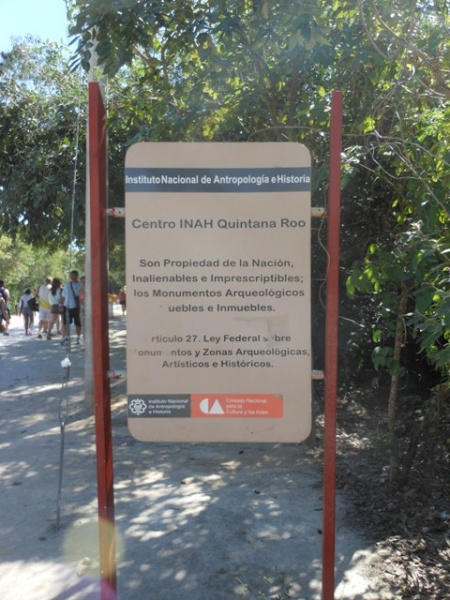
x=138 y=406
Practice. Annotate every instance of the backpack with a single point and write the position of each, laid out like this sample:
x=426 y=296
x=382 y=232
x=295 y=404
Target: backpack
x=33 y=304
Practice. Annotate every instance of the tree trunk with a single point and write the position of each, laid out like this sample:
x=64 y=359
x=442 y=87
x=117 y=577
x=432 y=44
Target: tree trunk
x=394 y=458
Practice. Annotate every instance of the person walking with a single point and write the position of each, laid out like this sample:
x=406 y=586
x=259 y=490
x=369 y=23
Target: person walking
x=4 y=293
x=123 y=299
x=71 y=301
x=44 y=307
x=26 y=310
x=56 y=308
x=82 y=297
x=4 y=316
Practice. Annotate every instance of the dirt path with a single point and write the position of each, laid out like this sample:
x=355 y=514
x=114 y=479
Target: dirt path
x=194 y=521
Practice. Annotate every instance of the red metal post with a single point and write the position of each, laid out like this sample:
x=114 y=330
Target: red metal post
x=100 y=340
x=331 y=350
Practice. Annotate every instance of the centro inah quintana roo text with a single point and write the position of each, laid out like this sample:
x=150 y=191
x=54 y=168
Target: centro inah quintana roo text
x=283 y=223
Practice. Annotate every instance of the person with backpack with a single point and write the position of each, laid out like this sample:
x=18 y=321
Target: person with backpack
x=26 y=310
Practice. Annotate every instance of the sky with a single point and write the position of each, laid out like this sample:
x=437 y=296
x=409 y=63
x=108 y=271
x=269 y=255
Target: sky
x=44 y=18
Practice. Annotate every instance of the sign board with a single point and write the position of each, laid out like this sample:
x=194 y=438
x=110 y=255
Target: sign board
x=218 y=292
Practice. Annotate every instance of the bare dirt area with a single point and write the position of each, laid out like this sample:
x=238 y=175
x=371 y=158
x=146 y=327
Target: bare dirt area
x=408 y=524
x=193 y=521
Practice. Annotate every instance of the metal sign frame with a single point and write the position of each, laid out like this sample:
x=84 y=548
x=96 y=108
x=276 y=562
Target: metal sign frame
x=99 y=213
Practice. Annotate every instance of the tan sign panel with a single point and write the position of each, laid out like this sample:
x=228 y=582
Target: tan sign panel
x=218 y=292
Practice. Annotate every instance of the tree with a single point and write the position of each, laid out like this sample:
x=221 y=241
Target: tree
x=262 y=70
x=42 y=112
x=406 y=266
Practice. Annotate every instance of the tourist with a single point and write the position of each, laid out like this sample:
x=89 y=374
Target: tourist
x=71 y=301
x=56 y=308
x=4 y=293
x=26 y=310
x=44 y=307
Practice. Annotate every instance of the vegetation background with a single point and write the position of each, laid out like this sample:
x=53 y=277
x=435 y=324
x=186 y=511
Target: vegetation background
x=257 y=70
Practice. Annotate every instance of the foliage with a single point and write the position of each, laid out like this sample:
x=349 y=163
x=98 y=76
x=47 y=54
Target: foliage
x=414 y=243
x=405 y=268
x=215 y=70
x=261 y=70
x=41 y=109
x=252 y=70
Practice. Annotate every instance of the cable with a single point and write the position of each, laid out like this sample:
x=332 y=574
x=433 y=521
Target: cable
x=75 y=174
x=64 y=395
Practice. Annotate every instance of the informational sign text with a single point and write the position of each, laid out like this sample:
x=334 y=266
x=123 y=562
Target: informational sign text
x=218 y=291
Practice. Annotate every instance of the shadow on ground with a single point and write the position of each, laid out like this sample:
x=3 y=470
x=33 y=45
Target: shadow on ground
x=194 y=521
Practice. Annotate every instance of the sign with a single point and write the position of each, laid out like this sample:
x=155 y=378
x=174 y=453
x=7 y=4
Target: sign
x=218 y=291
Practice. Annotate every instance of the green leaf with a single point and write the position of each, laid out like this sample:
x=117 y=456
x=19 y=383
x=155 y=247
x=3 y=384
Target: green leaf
x=376 y=336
